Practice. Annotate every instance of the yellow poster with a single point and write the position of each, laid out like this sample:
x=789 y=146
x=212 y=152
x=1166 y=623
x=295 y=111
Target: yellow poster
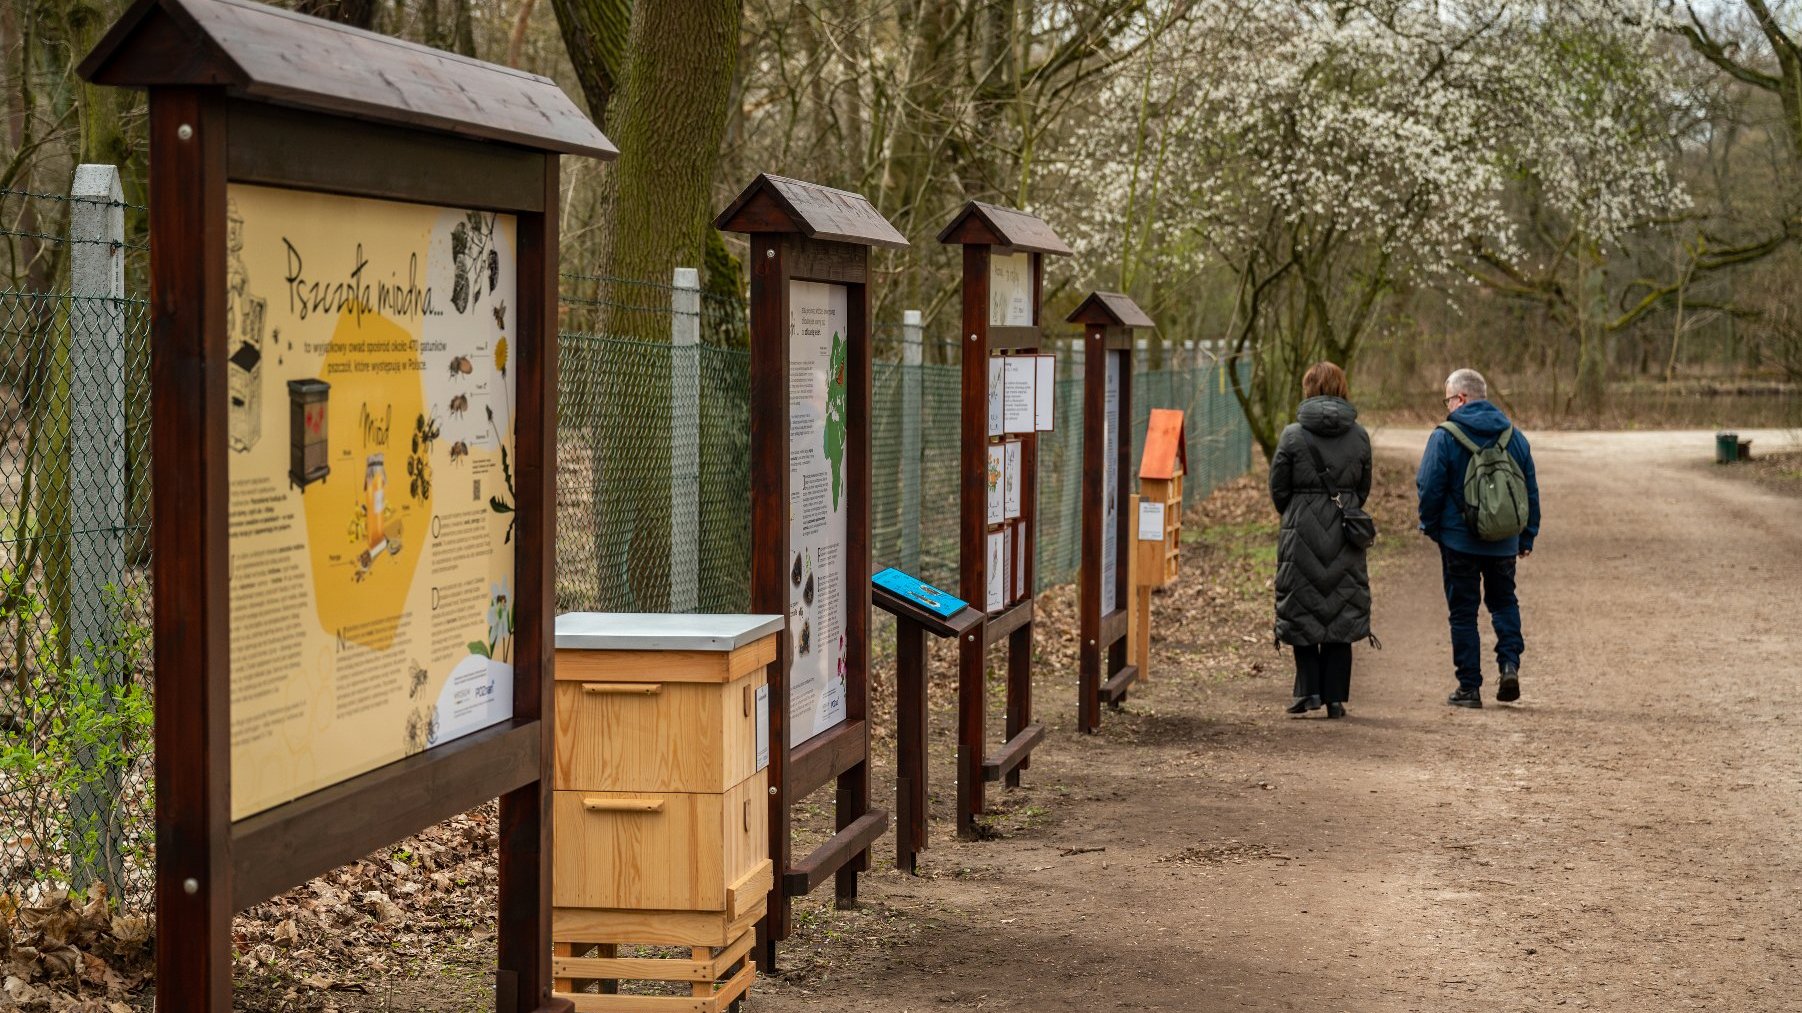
x=371 y=472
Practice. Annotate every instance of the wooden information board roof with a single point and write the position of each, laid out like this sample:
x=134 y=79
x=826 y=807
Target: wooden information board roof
x=1166 y=449
x=994 y=225
x=271 y=55
x=1110 y=309
x=779 y=204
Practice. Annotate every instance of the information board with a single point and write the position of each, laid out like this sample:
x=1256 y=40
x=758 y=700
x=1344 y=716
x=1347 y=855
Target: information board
x=819 y=466
x=371 y=484
x=1010 y=290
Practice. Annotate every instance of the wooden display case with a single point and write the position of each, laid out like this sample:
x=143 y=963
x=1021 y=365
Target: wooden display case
x=1108 y=319
x=660 y=804
x=1003 y=290
x=811 y=392
x=245 y=97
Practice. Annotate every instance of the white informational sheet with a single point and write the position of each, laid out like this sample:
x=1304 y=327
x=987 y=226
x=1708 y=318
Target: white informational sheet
x=1011 y=476
x=995 y=373
x=1018 y=403
x=819 y=471
x=997 y=483
x=1045 y=387
x=996 y=571
x=1151 y=521
x=1010 y=290
x=1020 y=551
x=1110 y=483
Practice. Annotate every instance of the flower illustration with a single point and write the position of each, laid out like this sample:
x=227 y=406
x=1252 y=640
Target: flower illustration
x=500 y=619
x=500 y=354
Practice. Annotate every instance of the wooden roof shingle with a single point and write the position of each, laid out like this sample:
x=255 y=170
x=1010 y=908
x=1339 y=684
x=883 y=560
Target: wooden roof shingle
x=994 y=225
x=267 y=54
x=779 y=204
x=1110 y=309
x=1166 y=448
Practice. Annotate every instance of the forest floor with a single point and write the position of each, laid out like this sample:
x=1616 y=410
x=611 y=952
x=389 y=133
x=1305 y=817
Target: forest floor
x=1627 y=837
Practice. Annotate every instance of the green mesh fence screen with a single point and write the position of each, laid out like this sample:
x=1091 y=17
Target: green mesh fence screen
x=624 y=430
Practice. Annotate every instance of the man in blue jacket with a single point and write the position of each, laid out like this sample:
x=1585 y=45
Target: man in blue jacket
x=1476 y=570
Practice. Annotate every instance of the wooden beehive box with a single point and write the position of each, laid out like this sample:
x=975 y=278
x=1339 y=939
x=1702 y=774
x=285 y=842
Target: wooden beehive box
x=661 y=798
x=1161 y=470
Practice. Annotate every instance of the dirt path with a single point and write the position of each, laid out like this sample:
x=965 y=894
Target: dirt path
x=1629 y=837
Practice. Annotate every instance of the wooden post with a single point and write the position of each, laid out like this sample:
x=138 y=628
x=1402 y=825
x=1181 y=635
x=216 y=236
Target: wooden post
x=235 y=116
x=910 y=743
x=1011 y=245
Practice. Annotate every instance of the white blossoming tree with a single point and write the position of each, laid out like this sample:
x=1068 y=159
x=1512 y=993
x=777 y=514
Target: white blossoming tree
x=1325 y=154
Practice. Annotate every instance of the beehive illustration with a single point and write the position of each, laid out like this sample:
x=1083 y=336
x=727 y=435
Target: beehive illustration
x=308 y=439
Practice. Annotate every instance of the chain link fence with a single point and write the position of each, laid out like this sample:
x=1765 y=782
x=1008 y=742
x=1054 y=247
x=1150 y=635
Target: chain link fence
x=636 y=450
x=653 y=490
x=75 y=724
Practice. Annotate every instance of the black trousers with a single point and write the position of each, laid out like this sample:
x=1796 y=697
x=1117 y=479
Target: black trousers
x=1324 y=671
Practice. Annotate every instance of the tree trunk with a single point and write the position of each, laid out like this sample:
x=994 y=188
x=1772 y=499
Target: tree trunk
x=595 y=32
x=671 y=118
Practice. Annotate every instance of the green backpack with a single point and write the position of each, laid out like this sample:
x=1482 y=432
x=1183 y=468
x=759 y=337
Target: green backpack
x=1495 y=489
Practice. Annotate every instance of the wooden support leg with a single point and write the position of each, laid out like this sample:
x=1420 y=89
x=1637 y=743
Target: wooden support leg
x=910 y=744
x=701 y=989
x=853 y=802
x=1088 y=703
x=563 y=950
x=1141 y=634
x=766 y=941
x=1116 y=660
x=971 y=710
x=1019 y=691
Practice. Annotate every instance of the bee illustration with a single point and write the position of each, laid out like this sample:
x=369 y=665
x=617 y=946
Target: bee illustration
x=461 y=364
x=459 y=404
x=500 y=315
x=459 y=450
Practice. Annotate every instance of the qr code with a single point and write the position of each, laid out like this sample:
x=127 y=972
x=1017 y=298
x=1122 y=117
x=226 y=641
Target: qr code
x=478 y=493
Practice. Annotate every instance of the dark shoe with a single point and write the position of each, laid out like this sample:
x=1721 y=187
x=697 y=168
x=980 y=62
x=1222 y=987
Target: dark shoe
x=1466 y=698
x=1303 y=704
x=1335 y=710
x=1508 y=689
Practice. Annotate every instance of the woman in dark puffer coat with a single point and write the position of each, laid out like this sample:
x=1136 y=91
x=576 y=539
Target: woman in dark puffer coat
x=1322 y=580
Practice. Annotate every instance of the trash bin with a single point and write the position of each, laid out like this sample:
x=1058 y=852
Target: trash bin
x=1726 y=448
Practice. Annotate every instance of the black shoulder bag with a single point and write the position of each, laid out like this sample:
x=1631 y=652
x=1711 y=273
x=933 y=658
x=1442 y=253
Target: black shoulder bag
x=1360 y=528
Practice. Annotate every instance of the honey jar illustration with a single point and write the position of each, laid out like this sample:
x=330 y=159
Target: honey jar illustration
x=375 y=498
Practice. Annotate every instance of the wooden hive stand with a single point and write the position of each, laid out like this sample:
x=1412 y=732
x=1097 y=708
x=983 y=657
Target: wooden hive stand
x=661 y=810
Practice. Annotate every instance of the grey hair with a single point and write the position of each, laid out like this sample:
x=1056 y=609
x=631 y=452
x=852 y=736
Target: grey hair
x=1468 y=381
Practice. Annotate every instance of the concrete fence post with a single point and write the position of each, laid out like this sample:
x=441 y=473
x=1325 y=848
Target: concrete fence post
x=685 y=441
x=97 y=494
x=912 y=419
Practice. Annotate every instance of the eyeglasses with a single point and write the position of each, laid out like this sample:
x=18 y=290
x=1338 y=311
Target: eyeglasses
x=1447 y=401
